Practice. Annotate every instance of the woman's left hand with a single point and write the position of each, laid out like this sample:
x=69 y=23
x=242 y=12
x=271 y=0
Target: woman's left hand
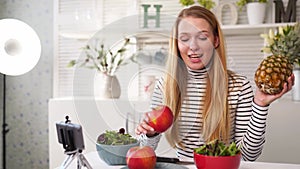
x=263 y=99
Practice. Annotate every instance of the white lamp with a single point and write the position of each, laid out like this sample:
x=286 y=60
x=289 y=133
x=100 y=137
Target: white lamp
x=20 y=50
x=20 y=47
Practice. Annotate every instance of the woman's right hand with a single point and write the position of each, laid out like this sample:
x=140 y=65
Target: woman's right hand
x=144 y=128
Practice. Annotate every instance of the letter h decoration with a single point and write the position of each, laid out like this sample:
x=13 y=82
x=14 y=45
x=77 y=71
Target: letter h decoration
x=289 y=15
x=148 y=17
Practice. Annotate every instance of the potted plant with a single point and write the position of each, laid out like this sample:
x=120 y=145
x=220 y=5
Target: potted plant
x=256 y=10
x=106 y=62
x=217 y=154
x=208 y=4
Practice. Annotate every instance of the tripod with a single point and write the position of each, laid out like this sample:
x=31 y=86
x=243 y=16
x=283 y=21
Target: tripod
x=81 y=160
x=70 y=135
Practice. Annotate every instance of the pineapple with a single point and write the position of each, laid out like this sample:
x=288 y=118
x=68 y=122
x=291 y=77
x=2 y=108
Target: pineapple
x=274 y=70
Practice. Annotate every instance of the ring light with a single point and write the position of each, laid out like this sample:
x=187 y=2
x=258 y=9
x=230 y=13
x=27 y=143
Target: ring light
x=20 y=47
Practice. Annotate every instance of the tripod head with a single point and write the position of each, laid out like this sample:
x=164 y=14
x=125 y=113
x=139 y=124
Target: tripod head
x=70 y=136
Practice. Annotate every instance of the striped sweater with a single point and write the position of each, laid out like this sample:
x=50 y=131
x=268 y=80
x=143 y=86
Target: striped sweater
x=248 y=119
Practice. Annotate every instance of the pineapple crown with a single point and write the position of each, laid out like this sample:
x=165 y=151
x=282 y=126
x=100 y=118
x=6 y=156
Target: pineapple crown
x=285 y=42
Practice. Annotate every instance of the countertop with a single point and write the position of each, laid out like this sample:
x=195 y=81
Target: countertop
x=97 y=163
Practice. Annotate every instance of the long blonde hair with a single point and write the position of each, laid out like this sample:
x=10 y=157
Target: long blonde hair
x=216 y=121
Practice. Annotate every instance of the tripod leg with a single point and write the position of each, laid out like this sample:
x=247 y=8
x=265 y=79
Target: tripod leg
x=83 y=162
x=79 y=164
x=67 y=161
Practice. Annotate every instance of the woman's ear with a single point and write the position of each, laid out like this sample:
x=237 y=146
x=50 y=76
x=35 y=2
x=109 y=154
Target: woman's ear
x=217 y=42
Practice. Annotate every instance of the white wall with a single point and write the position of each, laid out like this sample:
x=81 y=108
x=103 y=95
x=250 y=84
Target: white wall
x=283 y=135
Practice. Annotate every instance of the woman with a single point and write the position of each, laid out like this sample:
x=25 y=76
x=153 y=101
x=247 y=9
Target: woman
x=208 y=101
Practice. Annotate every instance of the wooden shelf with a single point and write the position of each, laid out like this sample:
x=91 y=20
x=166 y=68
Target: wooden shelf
x=79 y=35
x=250 y=29
x=227 y=29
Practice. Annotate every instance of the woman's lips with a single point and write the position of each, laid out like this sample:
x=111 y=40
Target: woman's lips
x=195 y=58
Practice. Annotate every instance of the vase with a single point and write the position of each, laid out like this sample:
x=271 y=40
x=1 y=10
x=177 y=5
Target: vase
x=256 y=12
x=296 y=87
x=106 y=86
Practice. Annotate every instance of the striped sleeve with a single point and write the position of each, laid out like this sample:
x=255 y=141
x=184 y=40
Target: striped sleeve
x=155 y=101
x=149 y=141
x=250 y=124
x=157 y=95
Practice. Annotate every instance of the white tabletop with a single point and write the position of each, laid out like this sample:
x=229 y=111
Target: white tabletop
x=97 y=163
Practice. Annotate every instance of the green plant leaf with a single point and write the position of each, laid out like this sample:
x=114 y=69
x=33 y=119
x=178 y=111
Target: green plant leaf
x=187 y=2
x=97 y=57
x=115 y=138
x=71 y=63
x=218 y=148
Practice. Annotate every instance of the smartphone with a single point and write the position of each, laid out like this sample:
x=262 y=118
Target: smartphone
x=70 y=136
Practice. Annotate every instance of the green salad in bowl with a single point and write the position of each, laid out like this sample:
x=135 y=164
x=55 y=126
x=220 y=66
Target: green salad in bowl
x=217 y=154
x=116 y=138
x=112 y=146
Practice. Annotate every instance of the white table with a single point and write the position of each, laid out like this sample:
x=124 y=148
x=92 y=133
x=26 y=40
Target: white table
x=97 y=163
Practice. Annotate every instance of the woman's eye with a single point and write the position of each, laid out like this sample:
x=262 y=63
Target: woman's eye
x=202 y=37
x=184 y=39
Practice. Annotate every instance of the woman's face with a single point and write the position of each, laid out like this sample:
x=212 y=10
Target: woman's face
x=196 y=42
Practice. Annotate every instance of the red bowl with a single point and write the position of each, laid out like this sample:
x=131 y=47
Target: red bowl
x=217 y=162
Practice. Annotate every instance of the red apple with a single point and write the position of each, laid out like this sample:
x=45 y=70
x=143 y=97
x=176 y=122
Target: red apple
x=161 y=118
x=141 y=157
